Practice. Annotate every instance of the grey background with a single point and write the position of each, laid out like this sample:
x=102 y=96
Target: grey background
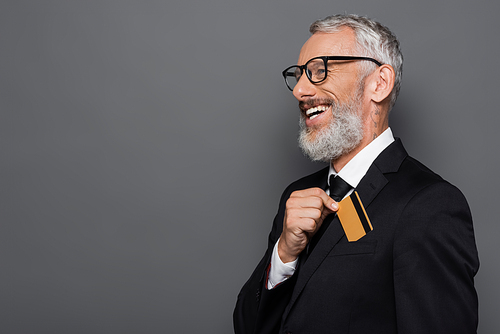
x=145 y=145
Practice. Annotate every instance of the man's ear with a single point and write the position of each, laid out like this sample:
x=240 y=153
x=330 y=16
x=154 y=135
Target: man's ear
x=383 y=82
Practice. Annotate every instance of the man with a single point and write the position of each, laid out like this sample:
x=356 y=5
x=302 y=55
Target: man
x=412 y=268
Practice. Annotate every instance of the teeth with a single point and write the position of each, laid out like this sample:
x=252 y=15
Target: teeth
x=315 y=109
x=313 y=116
x=310 y=111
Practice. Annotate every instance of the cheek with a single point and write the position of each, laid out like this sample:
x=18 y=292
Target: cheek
x=341 y=91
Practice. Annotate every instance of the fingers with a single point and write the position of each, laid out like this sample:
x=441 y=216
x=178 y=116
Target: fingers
x=305 y=211
x=310 y=197
x=305 y=219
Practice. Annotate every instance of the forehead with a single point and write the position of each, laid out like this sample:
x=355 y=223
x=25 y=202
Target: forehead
x=342 y=43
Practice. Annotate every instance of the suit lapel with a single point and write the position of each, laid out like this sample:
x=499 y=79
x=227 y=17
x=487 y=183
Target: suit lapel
x=374 y=180
x=370 y=185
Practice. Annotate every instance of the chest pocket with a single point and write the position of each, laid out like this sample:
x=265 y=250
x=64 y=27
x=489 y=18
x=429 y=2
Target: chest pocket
x=354 y=248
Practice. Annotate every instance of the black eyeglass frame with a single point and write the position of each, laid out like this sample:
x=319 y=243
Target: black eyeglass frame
x=325 y=60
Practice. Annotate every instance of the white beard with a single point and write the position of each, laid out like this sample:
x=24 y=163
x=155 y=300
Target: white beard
x=341 y=136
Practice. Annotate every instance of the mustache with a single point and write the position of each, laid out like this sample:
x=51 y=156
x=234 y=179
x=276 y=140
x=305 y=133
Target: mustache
x=313 y=102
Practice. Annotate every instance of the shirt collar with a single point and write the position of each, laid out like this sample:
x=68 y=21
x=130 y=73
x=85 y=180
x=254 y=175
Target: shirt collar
x=357 y=167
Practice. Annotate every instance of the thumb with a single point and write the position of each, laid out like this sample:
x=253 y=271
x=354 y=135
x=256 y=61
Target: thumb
x=330 y=204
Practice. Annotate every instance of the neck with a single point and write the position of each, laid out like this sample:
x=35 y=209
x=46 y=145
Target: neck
x=340 y=162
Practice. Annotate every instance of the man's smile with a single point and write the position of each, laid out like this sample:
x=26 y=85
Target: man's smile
x=313 y=112
x=312 y=108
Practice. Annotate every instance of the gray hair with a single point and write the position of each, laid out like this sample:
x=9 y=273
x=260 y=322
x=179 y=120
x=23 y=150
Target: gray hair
x=373 y=39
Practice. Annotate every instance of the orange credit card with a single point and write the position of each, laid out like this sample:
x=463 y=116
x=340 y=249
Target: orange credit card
x=353 y=217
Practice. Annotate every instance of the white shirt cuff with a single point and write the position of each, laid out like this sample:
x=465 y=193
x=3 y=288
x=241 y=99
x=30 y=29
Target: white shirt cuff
x=279 y=271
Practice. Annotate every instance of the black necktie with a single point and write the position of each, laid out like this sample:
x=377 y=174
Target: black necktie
x=338 y=189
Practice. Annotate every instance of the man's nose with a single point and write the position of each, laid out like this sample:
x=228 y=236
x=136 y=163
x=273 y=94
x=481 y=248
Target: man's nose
x=304 y=88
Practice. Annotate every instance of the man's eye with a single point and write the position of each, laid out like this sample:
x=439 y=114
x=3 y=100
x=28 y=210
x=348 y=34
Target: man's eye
x=318 y=73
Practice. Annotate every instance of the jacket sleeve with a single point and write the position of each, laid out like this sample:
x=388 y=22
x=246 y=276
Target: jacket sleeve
x=435 y=260
x=259 y=310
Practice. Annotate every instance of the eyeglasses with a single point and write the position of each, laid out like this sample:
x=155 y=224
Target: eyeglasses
x=316 y=69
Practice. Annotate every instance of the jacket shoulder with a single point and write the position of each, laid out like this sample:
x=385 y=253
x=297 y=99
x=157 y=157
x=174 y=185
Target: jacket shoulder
x=412 y=173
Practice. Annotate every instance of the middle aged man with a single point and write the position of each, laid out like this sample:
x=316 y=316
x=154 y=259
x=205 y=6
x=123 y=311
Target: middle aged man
x=413 y=271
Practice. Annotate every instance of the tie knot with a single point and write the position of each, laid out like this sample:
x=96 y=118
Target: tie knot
x=338 y=188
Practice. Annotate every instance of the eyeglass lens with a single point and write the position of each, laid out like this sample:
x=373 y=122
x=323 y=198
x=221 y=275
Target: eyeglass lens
x=315 y=70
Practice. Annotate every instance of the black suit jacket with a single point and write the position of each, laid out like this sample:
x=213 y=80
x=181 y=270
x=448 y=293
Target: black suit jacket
x=414 y=273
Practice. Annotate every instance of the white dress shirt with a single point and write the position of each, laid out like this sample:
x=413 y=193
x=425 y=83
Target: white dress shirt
x=352 y=173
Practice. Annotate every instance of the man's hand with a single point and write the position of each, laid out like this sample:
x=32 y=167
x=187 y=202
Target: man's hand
x=305 y=212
